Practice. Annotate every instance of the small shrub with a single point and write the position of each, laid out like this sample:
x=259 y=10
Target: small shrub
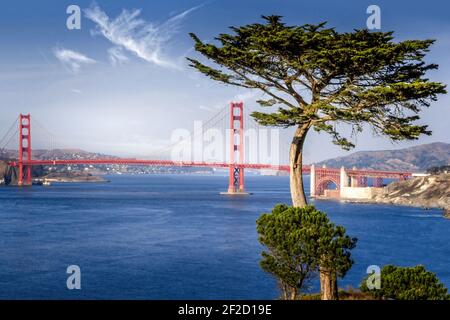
x=408 y=283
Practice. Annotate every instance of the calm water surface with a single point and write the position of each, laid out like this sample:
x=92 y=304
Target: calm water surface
x=175 y=237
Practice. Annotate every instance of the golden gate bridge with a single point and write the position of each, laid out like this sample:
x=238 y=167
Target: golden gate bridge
x=321 y=177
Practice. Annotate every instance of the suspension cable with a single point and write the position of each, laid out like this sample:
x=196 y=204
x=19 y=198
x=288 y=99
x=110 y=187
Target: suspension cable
x=5 y=136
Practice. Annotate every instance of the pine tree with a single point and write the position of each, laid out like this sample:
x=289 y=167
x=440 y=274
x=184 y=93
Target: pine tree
x=408 y=283
x=300 y=242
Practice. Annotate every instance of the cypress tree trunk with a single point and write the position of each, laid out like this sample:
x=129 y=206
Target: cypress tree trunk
x=328 y=280
x=293 y=294
x=284 y=291
x=295 y=163
x=288 y=292
x=328 y=285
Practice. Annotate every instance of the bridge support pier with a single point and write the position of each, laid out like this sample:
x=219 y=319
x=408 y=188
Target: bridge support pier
x=312 y=182
x=343 y=180
x=236 y=181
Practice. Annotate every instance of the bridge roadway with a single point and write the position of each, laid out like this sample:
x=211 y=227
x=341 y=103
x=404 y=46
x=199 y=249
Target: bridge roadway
x=169 y=163
x=162 y=163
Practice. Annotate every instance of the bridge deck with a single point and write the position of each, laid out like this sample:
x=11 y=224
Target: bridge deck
x=168 y=163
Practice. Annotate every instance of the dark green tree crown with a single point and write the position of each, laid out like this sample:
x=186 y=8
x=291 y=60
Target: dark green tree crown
x=299 y=241
x=319 y=77
x=408 y=283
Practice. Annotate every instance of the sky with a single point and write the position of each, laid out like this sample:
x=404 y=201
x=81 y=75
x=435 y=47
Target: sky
x=121 y=84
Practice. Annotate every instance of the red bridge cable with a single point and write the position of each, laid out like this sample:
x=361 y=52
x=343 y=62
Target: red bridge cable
x=218 y=117
x=5 y=136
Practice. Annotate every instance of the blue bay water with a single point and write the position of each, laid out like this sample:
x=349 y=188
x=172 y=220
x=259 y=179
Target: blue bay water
x=175 y=237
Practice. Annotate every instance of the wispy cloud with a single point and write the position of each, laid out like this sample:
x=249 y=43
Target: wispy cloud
x=72 y=60
x=146 y=40
x=247 y=96
x=116 y=56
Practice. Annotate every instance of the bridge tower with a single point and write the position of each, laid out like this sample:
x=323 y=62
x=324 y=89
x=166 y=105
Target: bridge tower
x=24 y=149
x=236 y=174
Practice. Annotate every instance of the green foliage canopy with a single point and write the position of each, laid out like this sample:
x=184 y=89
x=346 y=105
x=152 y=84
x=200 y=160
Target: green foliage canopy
x=319 y=77
x=408 y=283
x=298 y=242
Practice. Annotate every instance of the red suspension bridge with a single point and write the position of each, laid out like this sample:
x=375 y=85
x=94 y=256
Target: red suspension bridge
x=236 y=164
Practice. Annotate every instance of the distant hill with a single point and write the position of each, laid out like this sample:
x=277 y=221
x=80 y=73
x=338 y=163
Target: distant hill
x=61 y=154
x=418 y=158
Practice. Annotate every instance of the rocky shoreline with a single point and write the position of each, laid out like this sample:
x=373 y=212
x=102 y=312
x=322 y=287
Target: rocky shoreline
x=425 y=192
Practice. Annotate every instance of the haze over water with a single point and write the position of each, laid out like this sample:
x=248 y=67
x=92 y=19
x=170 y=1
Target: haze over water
x=175 y=237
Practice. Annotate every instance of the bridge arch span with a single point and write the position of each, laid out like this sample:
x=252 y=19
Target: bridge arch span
x=322 y=184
